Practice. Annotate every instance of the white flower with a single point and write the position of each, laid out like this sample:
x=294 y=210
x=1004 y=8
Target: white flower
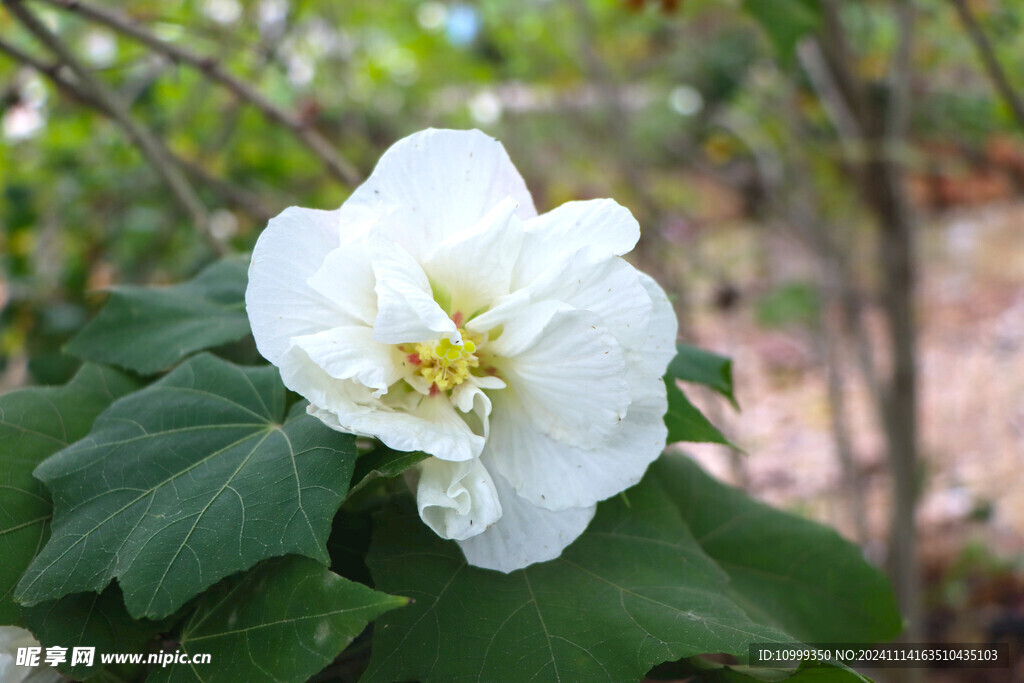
x=436 y=311
x=11 y=639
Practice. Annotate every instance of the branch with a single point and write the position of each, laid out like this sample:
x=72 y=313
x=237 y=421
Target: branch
x=316 y=143
x=837 y=107
x=268 y=49
x=988 y=58
x=244 y=199
x=883 y=130
x=900 y=86
x=839 y=57
x=148 y=144
x=51 y=71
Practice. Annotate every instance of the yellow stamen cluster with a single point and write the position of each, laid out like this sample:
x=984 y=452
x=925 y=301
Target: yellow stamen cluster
x=447 y=365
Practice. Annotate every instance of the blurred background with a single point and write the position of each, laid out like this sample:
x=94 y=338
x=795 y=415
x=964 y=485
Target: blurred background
x=831 y=192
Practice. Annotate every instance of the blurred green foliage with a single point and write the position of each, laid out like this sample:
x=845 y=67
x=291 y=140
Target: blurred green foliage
x=625 y=98
x=791 y=303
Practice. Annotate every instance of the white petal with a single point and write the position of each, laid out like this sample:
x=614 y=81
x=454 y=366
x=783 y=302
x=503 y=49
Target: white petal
x=525 y=533
x=607 y=286
x=456 y=499
x=521 y=320
x=403 y=419
x=557 y=475
x=475 y=266
x=601 y=224
x=572 y=380
x=419 y=383
x=280 y=303
x=662 y=330
x=488 y=382
x=11 y=639
x=466 y=395
x=346 y=278
x=351 y=352
x=469 y=398
x=430 y=425
x=406 y=310
x=42 y=674
x=437 y=183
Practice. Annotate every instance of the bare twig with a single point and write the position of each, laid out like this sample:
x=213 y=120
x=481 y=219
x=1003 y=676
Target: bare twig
x=268 y=51
x=240 y=197
x=851 y=306
x=615 y=127
x=840 y=111
x=54 y=72
x=316 y=143
x=244 y=199
x=829 y=344
x=881 y=177
x=898 y=112
x=886 y=190
x=803 y=217
x=811 y=58
x=839 y=56
x=148 y=144
x=989 y=60
x=50 y=70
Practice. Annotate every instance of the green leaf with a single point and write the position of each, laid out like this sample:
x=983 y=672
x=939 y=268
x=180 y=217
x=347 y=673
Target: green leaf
x=634 y=590
x=148 y=329
x=284 y=620
x=785 y=22
x=383 y=463
x=35 y=423
x=818 y=672
x=784 y=570
x=89 y=620
x=185 y=482
x=692 y=364
x=685 y=422
x=349 y=542
x=711 y=672
x=791 y=303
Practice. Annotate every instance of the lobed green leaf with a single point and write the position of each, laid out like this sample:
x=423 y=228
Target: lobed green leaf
x=783 y=570
x=283 y=620
x=179 y=485
x=634 y=590
x=148 y=329
x=35 y=423
x=688 y=567
x=89 y=620
x=711 y=672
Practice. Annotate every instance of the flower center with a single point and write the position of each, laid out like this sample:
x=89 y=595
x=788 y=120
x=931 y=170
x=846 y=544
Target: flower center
x=443 y=364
